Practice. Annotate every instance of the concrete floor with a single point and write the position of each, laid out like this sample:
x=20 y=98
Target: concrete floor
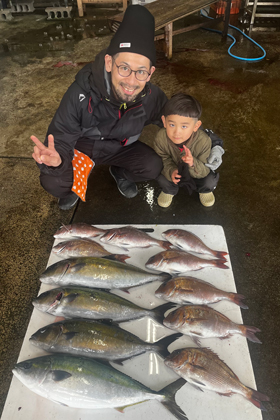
x=240 y=102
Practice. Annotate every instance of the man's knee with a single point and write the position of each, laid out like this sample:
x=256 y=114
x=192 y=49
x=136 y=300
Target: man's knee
x=56 y=186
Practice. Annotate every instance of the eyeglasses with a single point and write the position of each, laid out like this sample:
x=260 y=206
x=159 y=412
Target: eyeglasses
x=126 y=71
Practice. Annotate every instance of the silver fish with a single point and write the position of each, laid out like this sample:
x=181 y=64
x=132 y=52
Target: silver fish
x=82 y=382
x=129 y=237
x=96 y=339
x=175 y=261
x=183 y=290
x=85 y=248
x=80 y=230
x=205 y=370
x=189 y=242
x=84 y=302
x=97 y=272
x=201 y=321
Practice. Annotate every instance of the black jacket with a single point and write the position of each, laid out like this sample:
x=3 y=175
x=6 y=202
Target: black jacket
x=89 y=111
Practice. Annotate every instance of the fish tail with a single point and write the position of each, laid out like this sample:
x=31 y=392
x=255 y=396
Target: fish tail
x=165 y=244
x=164 y=343
x=237 y=299
x=170 y=403
x=249 y=333
x=219 y=263
x=220 y=255
x=256 y=398
x=158 y=313
x=120 y=257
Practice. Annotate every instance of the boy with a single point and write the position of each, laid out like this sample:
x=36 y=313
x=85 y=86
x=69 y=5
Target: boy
x=184 y=150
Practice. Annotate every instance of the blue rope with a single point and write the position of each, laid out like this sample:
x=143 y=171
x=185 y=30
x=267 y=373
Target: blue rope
x=234 y=41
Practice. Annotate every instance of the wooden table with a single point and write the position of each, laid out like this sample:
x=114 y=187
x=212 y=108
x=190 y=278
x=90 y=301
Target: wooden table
x=82 y=3
x=166 y=12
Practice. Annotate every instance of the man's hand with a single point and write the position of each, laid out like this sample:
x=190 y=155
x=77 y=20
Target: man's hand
x=47 y=155
x=215 y=158
x=175 y=176
x=187 y=158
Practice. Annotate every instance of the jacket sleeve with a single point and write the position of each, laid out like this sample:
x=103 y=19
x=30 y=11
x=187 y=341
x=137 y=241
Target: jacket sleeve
x=201 y=152
x=66 y=129
x=169 y=165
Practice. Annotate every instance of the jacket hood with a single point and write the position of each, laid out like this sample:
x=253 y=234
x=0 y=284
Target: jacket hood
x=94 y=77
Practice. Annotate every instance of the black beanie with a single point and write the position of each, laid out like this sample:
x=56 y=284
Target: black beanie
x=135 y=34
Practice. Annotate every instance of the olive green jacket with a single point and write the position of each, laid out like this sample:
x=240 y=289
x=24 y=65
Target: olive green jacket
x=200 y=146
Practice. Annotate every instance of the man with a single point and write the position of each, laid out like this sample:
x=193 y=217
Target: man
x=104 y=112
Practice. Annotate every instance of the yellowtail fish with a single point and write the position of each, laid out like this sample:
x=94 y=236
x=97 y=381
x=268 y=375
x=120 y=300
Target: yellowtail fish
x=97 y=272
x=82 y=382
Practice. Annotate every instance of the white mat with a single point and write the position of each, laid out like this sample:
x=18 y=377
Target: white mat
x=23 y=404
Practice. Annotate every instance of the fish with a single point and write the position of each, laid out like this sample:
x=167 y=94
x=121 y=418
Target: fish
x=80 y=230
x=176 y=261
x=201 y=321
x=189 y=242
x=129 y=237
x=183 y=290
x=96 y=339
x=204 y=369
x=82 y=382
x=85 y=248
x=97 y=272
x=89 y=303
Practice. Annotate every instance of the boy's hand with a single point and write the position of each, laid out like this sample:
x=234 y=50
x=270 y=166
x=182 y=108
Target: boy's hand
x=187 y=158
x=47 y=155
x=175 y=176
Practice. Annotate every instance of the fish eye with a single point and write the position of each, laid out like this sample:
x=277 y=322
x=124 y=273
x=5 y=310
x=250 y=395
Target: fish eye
x=42 y=331
x=26 y=365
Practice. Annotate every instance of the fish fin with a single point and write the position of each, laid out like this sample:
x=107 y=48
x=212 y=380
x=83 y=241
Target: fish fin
x=220 y=264
x=125 y=290
x=120 y=409
x=120 y=257
x=158 y=313
x=196 y=386
x=257 y=398
x=165 y=342
x=71 y=297
x=69 y=335
x=170 y=404
x=249 y=333
x=151 y=230
x=237 y=299
x=196 y=340
x=60 y=375
x=165 y=244
x=220 y=255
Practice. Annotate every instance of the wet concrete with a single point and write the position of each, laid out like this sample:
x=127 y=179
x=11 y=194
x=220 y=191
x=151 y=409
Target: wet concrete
x=240 y=102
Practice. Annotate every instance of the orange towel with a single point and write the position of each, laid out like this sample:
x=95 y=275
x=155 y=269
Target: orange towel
x=82 y=167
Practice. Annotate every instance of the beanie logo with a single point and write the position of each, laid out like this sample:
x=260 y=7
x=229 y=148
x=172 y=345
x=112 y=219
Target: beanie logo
x=125 y=45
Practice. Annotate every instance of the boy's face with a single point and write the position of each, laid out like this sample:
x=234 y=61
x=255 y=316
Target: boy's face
x=178 y=128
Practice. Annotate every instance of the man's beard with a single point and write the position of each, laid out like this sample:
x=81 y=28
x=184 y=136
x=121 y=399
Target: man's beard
x=121 y=96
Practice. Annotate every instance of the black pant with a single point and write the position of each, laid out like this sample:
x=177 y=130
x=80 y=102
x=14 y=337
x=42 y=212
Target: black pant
x=201 y=185
x=136 y=162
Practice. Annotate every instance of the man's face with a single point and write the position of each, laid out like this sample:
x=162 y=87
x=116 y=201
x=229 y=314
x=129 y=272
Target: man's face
x=178 y=128
x=126 y=89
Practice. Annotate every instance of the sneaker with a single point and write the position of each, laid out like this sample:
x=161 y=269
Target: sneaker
x=164 y=200
x=127 y=188
x=66 y=203
x=207 y=199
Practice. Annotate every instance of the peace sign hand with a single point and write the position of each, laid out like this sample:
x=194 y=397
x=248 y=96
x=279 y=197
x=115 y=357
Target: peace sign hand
x=46 y=154
x=187 y=158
